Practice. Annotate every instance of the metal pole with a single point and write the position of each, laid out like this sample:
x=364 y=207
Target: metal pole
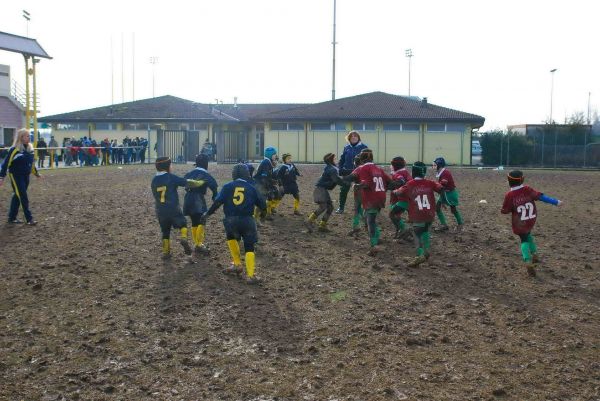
x=133 y=66
x=35 y=122
x=552 y=71
x=27 y=104
x=585 y=148
x=508 y=149
x=122 y=69
x=408 y=53
x=501 y=144
x=333 y=43
x=555 y=144
x=543 y=139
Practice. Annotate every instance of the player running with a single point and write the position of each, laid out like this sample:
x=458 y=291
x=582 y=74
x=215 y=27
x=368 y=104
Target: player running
x=448 y=197
x=520 y=201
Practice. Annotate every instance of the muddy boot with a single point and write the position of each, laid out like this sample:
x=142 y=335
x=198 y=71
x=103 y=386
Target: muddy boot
x=442 y=228
x=201 y=249
x=530 y=269
x=323 y=227
x=374 y=250
x=233 y=270
x=417 y=261
x=166 y=256
x=535 y=258
x=426 y=254
x=354 y=231
x=187 y=249
x=254 y=280
x=297 y=213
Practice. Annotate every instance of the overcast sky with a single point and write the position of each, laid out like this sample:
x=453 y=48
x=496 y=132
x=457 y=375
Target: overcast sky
x=491 y=58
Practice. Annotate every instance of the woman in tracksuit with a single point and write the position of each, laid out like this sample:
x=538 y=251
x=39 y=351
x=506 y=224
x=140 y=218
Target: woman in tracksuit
x=194 y=204
x=346 y=165
x=19 y=165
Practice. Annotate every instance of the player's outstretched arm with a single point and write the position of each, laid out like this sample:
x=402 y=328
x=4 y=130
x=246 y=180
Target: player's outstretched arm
x=552 y=201
x=194 y=183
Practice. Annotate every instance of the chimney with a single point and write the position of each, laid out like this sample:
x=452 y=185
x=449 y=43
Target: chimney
x=4 y=80
x=235 y=101
x=424 y=102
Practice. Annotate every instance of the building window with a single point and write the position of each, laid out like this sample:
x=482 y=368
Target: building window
x=105 y=126
x=72 y=127
x=321 y=126
x=392 y=127
x=200 y=127
x=363 y=126
x=410 y=127
x=173 y=127
x=436 y=127
x=295 y=127
x=454 y=127
x=135 y=127
x=339 y=126
x=278 y=126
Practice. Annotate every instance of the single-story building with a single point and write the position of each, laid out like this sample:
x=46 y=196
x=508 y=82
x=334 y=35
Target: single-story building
x=12 y=111
x=390 y=124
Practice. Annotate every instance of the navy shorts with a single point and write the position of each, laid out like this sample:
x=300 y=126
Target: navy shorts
x=175 y=220
x=241 y=227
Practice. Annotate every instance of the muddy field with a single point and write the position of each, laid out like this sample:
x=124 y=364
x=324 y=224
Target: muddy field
x=89 y=311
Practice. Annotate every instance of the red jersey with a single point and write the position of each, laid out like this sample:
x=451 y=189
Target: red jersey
x=399 y=175
x=376 y=180
x=421 y=201
x=520 y=201
x=445 y=178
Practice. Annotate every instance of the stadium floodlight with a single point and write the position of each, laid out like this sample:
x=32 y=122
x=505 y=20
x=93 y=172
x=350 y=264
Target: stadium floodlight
x=153 y=61
x=408 y=53
x=27 y=17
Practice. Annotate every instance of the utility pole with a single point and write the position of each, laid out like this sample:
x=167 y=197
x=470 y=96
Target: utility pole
x=408 y=53
x=333 y=43
x=27 y=17
x=552 y=71
x=153 y=61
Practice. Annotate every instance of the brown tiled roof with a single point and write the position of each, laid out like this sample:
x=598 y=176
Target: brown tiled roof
x=374 y=106
x=158 y=108
x=249 y=112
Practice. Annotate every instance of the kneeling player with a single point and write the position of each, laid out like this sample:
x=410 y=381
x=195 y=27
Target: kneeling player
x=520 y=201
x=421 y=211
x=164 y=188
x=239 y=198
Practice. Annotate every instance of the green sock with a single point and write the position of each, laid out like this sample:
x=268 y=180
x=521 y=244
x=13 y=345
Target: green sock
x=401 y=224
x=525 y=252
x=441 y=216
x=459 y=218
x=420 y=252
x=426 y=240
x=532 y=245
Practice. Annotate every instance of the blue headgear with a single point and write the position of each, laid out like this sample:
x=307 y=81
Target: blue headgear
x=270 y=151
x=440 y=162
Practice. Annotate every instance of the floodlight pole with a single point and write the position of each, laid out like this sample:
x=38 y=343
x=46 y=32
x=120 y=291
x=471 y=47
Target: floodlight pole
x=27 y=17
x=552 y=71
x=153 y=61
x=27 y=97
x=34 y=100
x=333 y=43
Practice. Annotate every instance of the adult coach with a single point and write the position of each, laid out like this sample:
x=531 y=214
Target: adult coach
x=346 y=164
x=19 y=164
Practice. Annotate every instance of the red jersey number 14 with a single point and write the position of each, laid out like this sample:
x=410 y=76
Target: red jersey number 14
x=423 y=202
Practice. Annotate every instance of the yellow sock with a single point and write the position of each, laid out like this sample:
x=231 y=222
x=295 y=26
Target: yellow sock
x=200 y=235
x=269 y=206
x=256 y=213
x=234 y=248
x=195 y=235
x=322 y=223
x=296 y=204
x=312 y=217
x=166 y=246
x=184 y=233
x=250 y=264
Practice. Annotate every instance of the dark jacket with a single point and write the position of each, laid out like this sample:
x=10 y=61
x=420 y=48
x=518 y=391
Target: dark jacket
x=18 y=162
x=346 y=163
x=193 y=201
x=330 y=178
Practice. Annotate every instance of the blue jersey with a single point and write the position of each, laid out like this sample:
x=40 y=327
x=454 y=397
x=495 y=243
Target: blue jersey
x=193 y=202
x=18 y=162
x=264 y=173
x=164 y=189
x=239 y=198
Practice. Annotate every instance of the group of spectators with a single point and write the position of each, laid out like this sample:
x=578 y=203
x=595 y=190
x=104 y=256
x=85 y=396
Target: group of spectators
x=88 y=152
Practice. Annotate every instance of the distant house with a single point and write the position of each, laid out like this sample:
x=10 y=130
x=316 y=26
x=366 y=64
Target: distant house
x=12 y=115
x=391 y=125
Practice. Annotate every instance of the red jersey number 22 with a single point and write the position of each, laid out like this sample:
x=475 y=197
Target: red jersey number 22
x=526 y=211
x=423 y=202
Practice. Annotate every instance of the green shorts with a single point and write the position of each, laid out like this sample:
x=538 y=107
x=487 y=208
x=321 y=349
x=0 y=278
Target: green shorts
x=449 y=198
x=399 y=205
x=372 y=210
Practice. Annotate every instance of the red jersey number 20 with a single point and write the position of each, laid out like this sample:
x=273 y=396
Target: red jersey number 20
x=423 y=202
x=379 y=187
x=526 y=211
